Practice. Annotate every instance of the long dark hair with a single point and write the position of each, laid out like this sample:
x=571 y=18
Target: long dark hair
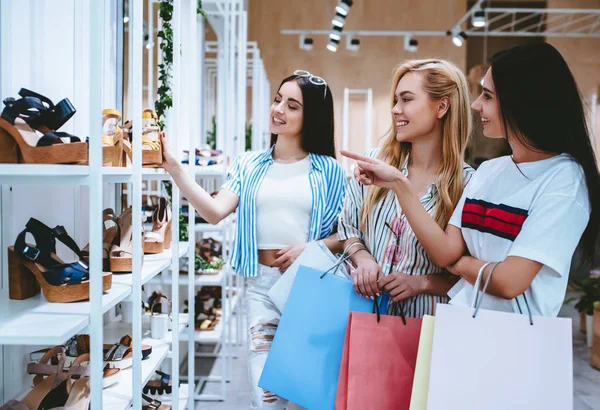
x=541 y=105
x=317 y=126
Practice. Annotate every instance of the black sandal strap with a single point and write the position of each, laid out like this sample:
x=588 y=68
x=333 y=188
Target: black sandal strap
x=56 y=115
x=165 y=379
x=56 y=137
x=30 y=109
x=45 y=244
x=59 y=232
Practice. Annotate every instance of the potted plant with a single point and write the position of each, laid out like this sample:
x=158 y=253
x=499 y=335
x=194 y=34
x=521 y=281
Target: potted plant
x=590 y=293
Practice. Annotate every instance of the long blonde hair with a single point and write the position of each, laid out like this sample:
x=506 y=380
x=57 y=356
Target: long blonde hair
x=440 y=79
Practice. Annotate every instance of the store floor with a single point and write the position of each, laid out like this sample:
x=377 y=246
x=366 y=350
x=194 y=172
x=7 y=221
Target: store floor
x=586 y=383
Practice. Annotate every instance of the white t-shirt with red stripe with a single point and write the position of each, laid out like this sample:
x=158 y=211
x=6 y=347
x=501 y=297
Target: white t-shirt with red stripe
x=535 y=210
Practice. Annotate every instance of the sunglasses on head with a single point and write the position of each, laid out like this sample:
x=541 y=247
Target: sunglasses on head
x=313 y=79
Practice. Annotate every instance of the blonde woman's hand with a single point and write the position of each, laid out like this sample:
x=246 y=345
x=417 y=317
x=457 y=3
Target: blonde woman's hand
x=371 y=171
x=401 y=286
x=287 y=256
x=169 y=159
x=365 y=276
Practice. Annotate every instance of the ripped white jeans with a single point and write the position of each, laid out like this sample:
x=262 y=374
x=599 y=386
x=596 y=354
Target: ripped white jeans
x=263 y=319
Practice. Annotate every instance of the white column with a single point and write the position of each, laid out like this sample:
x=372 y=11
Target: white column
x=96 y=30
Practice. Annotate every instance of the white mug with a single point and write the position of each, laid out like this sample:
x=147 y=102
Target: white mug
x=159 y=325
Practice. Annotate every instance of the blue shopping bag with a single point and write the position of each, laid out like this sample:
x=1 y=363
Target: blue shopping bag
x=303 y=365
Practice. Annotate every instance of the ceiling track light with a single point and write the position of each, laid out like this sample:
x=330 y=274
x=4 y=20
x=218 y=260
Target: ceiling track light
x=343 y=7
x=336 y=33
x=306 y=43
x=352 y=44
x=333 y=45
x=458 y=38
x=478 y=18
x=338 y=20
x=411 y=44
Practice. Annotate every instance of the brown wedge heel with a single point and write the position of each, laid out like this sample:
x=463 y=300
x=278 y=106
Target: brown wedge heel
x=26 y=278
x=31 y=122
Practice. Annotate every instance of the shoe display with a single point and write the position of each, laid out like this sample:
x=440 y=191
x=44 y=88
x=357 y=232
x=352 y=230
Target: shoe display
x=151 y=145
x=159 y=238
x=121 y=251
x=31 y=267
x=28 y=132
x=112 y=139
x=108 y=237
x=160 y=385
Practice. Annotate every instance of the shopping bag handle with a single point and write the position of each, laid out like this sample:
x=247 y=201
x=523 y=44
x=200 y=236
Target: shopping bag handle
x=344 y=258
x=477 y=301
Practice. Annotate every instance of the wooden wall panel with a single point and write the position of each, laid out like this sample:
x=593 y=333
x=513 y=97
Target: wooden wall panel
x=372 y=66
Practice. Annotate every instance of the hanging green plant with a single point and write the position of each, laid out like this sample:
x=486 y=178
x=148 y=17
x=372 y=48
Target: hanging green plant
x=199 y=9
x=164 y=99
x=164 y=93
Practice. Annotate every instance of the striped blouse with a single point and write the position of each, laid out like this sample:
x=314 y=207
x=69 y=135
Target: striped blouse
x=328 y=186
x=413 y=259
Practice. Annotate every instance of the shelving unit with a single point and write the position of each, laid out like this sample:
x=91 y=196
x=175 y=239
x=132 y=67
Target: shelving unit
x=34 y=321
x=95 y=34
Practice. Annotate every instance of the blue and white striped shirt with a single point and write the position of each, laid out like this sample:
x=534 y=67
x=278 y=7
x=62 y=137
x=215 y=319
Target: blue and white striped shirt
x=328 y=186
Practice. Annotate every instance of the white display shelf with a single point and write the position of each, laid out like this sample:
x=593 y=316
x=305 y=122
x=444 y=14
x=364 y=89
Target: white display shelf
x=119 y=396
x=35 y=321
x=184 y=394
x=153 y=265
x=40 y=173
x=199 y=280
x=214 y=336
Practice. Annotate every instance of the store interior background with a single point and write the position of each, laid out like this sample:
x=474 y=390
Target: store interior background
x=51 y=70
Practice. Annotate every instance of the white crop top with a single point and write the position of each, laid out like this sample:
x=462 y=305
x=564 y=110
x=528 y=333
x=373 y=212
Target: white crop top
x=283 y=205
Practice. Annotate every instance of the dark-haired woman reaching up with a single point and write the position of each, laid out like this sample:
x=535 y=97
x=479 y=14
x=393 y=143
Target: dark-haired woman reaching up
x=285 y=197
x=527 y=211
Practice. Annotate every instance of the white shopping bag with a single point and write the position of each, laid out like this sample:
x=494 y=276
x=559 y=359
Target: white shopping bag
x=483 y=359
x=317 y=256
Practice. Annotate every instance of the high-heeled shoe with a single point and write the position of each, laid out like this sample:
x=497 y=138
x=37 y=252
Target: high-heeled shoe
x=67 y=395
x=20 y=122
x=121 y=251
x=31 y=267
x=159 y=238
x=112 y=135
x=153 y=404
x=44 y=385
x=151 y=145
x=108 y=237
x=55 y=116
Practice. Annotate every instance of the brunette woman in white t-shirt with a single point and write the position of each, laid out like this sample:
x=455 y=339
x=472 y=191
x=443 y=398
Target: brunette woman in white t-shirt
x=526 y=212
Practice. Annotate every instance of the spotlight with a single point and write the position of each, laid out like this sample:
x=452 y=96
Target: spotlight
x=336 y=33
x=306 y=43
x=343 y=7
x=478 y=19
x=149 y=46
x=459 y=39
x=335 y=36
x=333 y=45
x=352 y=44
x=410 y=44
x=126 y=19
x=338 y=20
